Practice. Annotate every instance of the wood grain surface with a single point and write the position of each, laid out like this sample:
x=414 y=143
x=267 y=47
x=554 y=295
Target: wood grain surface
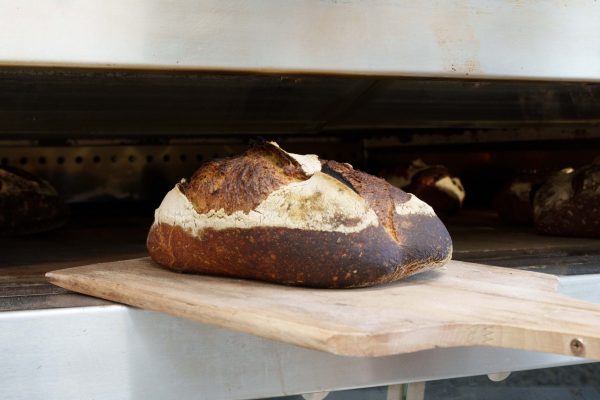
x=461 y=304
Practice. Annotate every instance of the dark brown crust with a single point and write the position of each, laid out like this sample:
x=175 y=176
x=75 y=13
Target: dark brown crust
x=379 y=195
x=298 y=257
x=241 y=183
x=30 y=206
x=26 y=179
x=577 y=216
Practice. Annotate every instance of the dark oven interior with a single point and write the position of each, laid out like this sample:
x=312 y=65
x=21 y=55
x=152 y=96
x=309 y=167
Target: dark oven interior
x=114 y=142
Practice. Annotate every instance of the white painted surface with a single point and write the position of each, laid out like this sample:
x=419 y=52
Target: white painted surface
x=554 y=39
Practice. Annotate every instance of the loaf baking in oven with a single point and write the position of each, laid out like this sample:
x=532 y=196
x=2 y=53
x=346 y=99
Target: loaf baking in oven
x=294 y=219
x=28 y=204
x=431 y=183
x=568 y=204
x=514 y=201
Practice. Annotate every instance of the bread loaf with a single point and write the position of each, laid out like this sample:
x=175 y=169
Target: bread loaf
x=294 y=219
x=431 y=183
x=28 y=204
x=568 y=204
x=514 y=202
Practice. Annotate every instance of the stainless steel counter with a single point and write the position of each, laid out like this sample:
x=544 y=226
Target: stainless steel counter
x=118 y=352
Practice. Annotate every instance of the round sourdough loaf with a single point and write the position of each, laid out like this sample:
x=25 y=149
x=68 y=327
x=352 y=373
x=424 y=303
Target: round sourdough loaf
x=28 y=204
x=514 y=202
x=294 y=219
x=568 y=204
x=431 y=183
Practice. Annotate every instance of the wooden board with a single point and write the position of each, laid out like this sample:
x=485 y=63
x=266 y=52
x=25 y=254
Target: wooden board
x=462 y=304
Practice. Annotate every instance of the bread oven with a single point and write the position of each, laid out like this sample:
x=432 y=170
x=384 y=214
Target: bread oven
x=114 y=103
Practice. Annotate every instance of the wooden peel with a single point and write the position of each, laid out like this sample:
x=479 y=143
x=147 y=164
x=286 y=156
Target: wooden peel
x=461 y=304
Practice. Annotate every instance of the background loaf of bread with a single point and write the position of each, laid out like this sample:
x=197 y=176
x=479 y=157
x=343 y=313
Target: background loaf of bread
x=568 y=204
x=28 y=204
x=431 y=183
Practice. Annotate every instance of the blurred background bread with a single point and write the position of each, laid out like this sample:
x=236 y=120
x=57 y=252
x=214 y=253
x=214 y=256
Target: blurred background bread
x=28 y=204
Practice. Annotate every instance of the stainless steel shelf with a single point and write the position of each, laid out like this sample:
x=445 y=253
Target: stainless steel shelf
x=551 y=40
x=119 y=352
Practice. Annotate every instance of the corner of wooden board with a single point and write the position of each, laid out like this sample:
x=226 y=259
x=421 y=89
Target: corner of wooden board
x=56 y=277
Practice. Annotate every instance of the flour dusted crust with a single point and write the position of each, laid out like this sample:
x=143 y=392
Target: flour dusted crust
x=28 y=204
x=275 y=216
x=313 y=204
x=568 y=204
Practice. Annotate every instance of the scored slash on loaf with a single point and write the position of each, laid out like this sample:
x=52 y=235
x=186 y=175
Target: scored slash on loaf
x=294 y=219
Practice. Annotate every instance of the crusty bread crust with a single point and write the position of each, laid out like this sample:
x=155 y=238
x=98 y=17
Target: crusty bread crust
x=431 y=183
x=568 y=204
x=298 y=257
x=381 y=196
x=241 y=183
x=28 y=204
x=354 y=230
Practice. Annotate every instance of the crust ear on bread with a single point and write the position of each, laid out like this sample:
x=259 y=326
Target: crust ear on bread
x=291 y=219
